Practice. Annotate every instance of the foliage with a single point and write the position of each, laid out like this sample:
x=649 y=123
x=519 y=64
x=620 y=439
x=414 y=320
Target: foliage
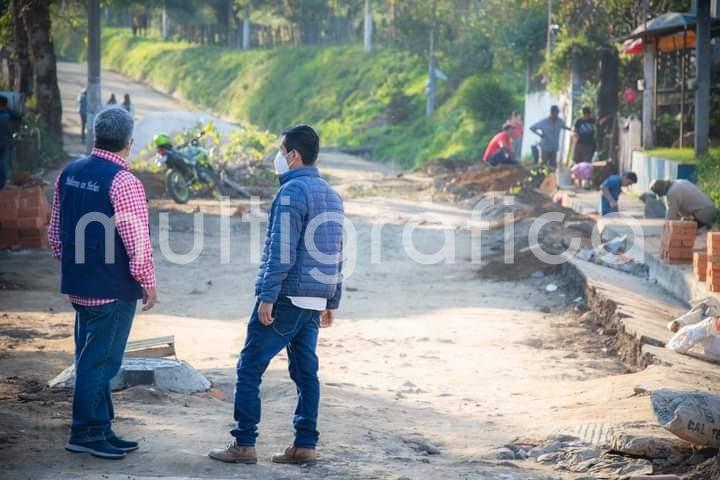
x=708 y=174
x=354 y=100
x=39 y=149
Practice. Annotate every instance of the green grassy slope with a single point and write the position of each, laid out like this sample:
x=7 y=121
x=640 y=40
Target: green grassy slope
x=355 y=100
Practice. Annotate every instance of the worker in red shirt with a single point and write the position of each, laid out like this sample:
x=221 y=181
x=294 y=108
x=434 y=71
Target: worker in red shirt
x=500 y=150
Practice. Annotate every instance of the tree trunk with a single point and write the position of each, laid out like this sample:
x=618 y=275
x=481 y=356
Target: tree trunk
x=21 y=47
x=607 y=101
x=36 y=15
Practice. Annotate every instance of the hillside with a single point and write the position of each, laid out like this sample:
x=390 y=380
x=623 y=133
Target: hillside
x=374 y=102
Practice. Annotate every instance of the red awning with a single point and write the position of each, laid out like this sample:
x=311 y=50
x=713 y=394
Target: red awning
x=633 y=46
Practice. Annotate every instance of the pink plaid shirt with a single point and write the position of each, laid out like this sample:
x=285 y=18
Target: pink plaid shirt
x=127 y=196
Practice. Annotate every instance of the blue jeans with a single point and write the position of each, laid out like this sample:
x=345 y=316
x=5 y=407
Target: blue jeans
x=297 y=330
x=101 y=335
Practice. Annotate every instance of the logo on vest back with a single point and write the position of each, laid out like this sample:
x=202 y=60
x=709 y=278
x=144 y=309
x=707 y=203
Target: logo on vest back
x=91 y=185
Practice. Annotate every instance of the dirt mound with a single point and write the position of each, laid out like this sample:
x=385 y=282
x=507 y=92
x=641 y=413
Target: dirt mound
x=492 y=179
x=708 y=470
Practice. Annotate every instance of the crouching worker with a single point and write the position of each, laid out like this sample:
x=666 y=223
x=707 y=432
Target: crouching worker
x=99 y=231
x=298 y=289
x=500 y=150
x=685 y=200
x=611 y=189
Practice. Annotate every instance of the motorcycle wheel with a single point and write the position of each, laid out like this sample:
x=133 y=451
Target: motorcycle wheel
x=214 y=184
x=177 y=186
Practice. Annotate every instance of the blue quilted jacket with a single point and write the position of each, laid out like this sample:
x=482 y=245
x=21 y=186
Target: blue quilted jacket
x=293 y=265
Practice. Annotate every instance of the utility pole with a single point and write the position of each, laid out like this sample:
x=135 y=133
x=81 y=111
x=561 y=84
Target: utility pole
x=432 y=82
x=548 y=46
x=246 y=26
x=702 y=93
x=368 y=27
x=93 y=66
x=164 y=19
x=648 y=111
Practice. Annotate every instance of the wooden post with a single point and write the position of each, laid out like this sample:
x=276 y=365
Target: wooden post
x=702 y=92
x=648 y=115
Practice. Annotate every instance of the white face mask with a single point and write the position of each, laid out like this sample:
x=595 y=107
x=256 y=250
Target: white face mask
x=280 y=163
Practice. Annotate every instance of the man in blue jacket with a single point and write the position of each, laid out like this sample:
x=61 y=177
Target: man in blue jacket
x=298 y=289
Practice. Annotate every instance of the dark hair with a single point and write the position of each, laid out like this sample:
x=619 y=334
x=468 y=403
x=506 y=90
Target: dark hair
x=555 y=109
x=3 y=101
x=507 y=126
x=631 y=176
x=304 y=140
x=586 y=110
x=514 y=112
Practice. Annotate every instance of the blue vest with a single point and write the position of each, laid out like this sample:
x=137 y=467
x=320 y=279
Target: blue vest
x=105 y=270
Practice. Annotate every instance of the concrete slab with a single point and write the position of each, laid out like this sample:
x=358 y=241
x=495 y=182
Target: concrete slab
x=170 y=375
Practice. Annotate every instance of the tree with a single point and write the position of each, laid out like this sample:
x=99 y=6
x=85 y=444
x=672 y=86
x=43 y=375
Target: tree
x=35 y=15
x=23 y=65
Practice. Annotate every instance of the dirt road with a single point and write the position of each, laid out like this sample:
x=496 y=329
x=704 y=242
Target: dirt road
x=422 y=356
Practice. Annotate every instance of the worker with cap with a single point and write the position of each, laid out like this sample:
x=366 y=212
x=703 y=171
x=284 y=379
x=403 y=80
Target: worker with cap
x=500 y=149
x=685 y=200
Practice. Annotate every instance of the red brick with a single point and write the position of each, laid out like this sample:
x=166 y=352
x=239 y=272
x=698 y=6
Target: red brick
x=34 y=242
x=34 y=212
x=9 y=238
x=31 y=222
x=32 y=232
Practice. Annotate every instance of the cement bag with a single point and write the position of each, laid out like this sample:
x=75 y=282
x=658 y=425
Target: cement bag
x=692 y=416
x=704 y=333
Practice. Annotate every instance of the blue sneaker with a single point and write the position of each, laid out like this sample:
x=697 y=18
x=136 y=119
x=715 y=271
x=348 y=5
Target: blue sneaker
x=99 y=449
x=124 y=445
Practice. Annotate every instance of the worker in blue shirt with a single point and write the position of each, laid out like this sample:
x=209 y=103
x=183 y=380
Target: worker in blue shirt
x=611 y=189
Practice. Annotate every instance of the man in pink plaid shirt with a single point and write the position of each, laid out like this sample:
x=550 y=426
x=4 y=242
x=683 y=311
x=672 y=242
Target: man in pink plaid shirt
x=99 y=231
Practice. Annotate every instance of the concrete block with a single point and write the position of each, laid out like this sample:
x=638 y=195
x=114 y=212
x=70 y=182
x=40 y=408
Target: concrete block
x=170 y=375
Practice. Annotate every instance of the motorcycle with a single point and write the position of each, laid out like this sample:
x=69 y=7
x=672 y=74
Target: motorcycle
x=189 y=171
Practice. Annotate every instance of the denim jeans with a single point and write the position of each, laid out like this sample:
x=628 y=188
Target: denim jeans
x=297 y=330
x=101 y=335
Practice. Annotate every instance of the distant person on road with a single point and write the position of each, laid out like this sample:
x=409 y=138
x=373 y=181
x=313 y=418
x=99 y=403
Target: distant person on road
x=686 y=200
x=100 y=233
x=135 y=26
x=82 y=110
x=298 y=288
x=112 y=100
x=516 y=134
x=549 y=131
x=9 y=122
x=127 y=105
x=500 y=150
x=611 y=189
x=584 y=134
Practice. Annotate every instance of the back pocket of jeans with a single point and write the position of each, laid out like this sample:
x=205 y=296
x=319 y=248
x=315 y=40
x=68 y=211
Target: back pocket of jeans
x=286 y=318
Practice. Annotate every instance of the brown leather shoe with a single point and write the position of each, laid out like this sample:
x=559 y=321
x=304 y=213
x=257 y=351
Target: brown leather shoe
x=234 y=454
x=296 y=456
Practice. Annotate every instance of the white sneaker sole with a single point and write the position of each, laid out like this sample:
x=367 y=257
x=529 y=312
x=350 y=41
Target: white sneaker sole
x=71 y=447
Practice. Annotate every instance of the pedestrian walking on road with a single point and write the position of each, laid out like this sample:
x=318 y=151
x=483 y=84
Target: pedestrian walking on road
x=611 y=189
x=549 y=131
x=112 y=100
x=82 y=110
x=127 y=105
x=99 y=231
x=298 y=290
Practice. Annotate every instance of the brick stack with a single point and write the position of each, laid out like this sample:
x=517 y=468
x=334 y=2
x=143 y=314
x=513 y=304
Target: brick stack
x=713 y=262
x=24 y=216
x=677 y=242
x=700 y=261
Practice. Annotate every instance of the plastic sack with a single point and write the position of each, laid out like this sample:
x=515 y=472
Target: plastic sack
x=692 y=416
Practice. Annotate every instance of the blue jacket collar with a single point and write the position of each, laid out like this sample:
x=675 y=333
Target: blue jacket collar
x=299 y=172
